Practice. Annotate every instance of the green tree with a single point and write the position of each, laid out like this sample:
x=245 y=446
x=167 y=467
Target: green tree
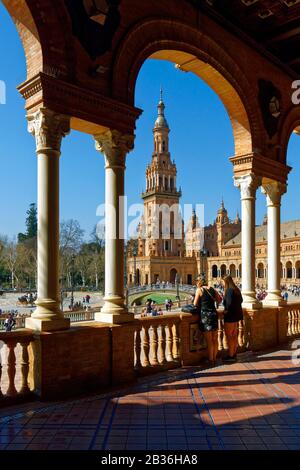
x=31 y=225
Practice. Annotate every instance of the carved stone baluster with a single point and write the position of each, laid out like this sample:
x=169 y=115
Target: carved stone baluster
x=137 y=349
x=25 y=366
x=161 y=345
x=293 y=323
x=176 y=343
x=169 y=342
x=289 y=323
x=298 y=322
x=145 y=347
x=241 y=331
x=225 y=344
x=11 y=368
x=153 y=346
x=220 y=335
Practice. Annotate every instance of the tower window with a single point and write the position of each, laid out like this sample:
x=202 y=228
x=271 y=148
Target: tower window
x=167 y=246
x=164 y=146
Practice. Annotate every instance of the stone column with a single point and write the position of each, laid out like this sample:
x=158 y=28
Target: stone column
x=248 y=185
x=273 y=191
x=48 y=129
x=115 y=147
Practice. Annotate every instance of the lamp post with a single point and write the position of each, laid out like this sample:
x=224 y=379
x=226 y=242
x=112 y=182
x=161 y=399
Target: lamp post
x=72 y=281
x=125 y=276
x=134 y=266
x=177 y=286
x=203 y=254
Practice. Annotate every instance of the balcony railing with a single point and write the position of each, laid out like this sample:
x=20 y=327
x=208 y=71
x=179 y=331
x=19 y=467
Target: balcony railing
x=15 y=365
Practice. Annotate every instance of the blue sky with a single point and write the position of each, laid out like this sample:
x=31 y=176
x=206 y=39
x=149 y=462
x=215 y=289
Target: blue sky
x=201 y=141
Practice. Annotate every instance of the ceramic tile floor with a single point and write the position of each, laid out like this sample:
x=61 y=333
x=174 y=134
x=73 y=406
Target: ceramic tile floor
x=253 y=404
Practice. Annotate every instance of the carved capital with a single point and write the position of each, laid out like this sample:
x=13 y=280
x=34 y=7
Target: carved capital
x=48 y=128
x=248 y=185
x=273 y=190
x=115 y=146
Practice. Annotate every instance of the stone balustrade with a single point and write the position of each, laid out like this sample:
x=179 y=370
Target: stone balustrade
x=15 y=365
x=157 y=343
x=93 y=355
x=293 y=320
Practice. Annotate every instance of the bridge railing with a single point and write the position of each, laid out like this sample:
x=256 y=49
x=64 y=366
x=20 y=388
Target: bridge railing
x=161 y=287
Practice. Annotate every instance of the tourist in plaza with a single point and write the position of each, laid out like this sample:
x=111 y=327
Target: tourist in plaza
x=148 y=305
x=233 y=313
x=167 y=304
x=9 y=322
x=206 y=299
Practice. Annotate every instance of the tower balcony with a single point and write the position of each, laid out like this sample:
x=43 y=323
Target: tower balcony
x=161 y=191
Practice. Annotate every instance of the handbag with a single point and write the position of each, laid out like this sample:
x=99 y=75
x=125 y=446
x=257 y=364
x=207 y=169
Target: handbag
x=191 y=308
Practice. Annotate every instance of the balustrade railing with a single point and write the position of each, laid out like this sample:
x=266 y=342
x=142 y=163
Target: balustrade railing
x=14 y=364
x=222 y=340
x=293 y=320
x=157 y=343
x=76 y=316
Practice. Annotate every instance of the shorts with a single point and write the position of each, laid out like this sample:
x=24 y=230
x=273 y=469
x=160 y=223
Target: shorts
x=209 y=320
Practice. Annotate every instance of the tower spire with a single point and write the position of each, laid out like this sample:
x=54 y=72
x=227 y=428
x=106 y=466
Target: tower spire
x=161 y=121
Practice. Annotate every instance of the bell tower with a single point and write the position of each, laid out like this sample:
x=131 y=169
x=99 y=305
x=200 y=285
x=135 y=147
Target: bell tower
x=161 y=195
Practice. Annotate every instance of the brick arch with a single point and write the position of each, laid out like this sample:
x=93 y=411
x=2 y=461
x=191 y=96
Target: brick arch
x=27 y=29
x=47 y=49
x=291 y=122
x=157 y=38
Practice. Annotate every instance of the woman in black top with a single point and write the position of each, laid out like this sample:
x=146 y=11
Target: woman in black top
x=233 y=313
x=206 y=298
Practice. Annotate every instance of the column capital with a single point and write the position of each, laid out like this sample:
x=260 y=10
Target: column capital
x=248 y=185
x=273 y=190
x=115 y=146
x=48 y=128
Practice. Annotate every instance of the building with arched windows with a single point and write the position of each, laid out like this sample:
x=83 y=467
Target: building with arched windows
x=166 y=252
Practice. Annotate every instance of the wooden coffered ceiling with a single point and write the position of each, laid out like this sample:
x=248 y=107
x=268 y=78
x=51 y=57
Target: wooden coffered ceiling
x=273 y=24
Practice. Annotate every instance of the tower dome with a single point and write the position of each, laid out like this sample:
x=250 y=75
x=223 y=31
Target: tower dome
x=161 y=121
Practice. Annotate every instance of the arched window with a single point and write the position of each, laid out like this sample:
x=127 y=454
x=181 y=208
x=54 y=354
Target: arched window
x=289 y=270
x=260 y=271
x=223 y=270
x=214 y=271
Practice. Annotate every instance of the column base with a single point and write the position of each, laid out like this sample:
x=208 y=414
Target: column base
x=274 y=299
x=250 y=301
x=47 y=324
x=113 y=317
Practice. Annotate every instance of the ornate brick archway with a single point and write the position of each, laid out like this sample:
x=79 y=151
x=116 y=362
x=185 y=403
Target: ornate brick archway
x=290 y=124
x=195 y=52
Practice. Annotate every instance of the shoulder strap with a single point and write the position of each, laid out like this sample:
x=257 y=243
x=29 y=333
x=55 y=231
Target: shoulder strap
x=207 y=291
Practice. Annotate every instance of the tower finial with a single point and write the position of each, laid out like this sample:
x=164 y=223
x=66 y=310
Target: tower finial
x=161 y=93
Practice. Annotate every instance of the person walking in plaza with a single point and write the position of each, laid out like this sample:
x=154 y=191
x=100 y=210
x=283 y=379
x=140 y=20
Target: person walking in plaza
x=9 y=323
x=206 y=299
x=233 y=313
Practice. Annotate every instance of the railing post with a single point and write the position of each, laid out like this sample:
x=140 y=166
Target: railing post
x=11 y=368
x=225 y=344
x=220 y=335
x=169 y=343
x=145 y=347
x=153 y=346
x=161 y=345
x=137 y=349
x=176 y=341
x=24 y=366
x=241 y=331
